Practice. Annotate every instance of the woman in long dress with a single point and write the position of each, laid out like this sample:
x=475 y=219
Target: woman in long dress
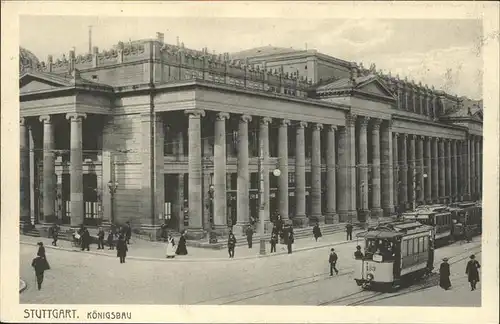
x=472 y=272
x=170 y=247
x=181 y=248
x=444 y=275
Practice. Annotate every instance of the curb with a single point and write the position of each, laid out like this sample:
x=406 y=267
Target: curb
x=22 y=285
x=267 y=255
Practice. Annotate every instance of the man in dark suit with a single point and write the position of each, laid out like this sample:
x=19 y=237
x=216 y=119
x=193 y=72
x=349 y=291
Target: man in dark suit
x=40 y=265
x=333 y=262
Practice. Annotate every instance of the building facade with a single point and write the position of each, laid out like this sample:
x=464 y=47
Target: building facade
x=149 y=132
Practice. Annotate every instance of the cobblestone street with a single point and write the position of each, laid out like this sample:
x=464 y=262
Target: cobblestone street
x=297 y=279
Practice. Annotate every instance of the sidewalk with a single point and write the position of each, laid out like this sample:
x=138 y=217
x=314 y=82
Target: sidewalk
x=155 y=251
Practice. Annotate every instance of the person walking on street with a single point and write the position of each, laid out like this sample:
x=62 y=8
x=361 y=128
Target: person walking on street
x=55 y=234
x=40 y=265
x=444 y=275
x=348 y=229
x=170 y=247
x=85 y=237
x=231 y=244
x=472 y=270
x=249 y=234
x=333 y=262
x=289 y=238
x=100 y=239
x=181 y=248
x=111 y=239
x=41 y=254
x=358 y=255
x=128 y=232
x=317 y=232
x=274 y=241
x=121 y=249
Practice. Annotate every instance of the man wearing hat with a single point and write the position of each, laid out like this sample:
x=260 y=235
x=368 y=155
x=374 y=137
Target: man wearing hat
x=333 y=261
x=444 y=275
x=472 y=270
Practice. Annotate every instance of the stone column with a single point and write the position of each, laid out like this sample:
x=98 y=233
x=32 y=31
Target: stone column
x=467 y=166
x=460 y=171
x=76 y=168
x=351 y=167
x=442 y=171
x=412 y=170
x=387 y=172
x=264 y=137
x=243 y=184
x=421 y=169
x=331 y=189
x=195 y=196
x=435 y=169
x=376 y=206
x=316 y=211
x=403 y=176
x=428 y=170
x=473 y=166
x=283 y=164
x=342 y=176
x=448 y=168
x=396 y=167
x=159 y=171
x=300 y=218
x=480 y=166
x=363 y=164
x=24 y=175
x=49 y=184
x=220 y=219
x=454 y=168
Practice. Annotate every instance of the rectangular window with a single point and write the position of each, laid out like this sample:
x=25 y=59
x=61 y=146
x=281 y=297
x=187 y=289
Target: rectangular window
x=426 y=244
x=410 y=247
x=420 y=244
x=404 y=248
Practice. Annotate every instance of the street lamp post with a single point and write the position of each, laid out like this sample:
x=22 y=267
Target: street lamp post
x=415 y=187
x=112 y=187
x=262 y=250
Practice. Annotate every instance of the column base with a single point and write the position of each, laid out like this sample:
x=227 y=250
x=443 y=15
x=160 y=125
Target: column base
x=240 y=228
x=49 y=220
x=317 y=219
x=154 y=231
x=388 y=211
x=25 y=224
x=222 y=230
x=352 y=215
x=195 y=233
x=331 y=218
x=377 y=212
x=300 y=221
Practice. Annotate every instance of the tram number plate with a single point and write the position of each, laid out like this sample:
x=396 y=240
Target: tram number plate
x=370 y=267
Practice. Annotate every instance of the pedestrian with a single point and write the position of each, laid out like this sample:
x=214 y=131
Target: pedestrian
x=164 y=231
x=128 y=232
x=274 y=241
x=100 y=239
x=40 y=265
x=85 y=237
x=249 y=233
x=348 y=229
x=472 y=270
x=41 y=254
x=55 y=234
x=468 y=234
x=317 y=232
x=121 y=249
x=181 y=248
x=444 y=275
x=231 y=244
x=275 y=230
x=332 y=259
x=358 y=255
x=289 y=238
x=111 y=239
x=170 y=247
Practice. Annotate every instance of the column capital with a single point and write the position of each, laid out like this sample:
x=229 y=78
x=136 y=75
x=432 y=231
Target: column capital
x=285 y=122
x=222 y=116
x=46 y=119
x=396 y=135
x=245 y=118
x=75 y=116
x=317 y=126
x=22 y=121
x=350 y=119
x=331 y=128
x=390 y=123
x=420 y=137
x=195 y=113
x=265 y=120
x=364 y=121
x=301 y=124
x=376 y=123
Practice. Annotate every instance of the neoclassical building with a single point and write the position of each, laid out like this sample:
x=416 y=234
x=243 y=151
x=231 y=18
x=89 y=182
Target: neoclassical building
x=149 y=132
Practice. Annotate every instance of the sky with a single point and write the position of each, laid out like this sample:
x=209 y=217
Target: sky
x=445 y=53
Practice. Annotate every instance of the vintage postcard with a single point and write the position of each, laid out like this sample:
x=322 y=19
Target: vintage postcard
x=250 y=162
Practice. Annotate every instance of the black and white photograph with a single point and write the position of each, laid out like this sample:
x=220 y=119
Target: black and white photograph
x=265 y=160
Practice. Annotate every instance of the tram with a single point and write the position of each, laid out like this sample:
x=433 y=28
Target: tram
x=437 y=216
x=394 y=253
x=466 y=216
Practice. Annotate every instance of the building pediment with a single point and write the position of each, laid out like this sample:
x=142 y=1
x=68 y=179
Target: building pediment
x=39 y=81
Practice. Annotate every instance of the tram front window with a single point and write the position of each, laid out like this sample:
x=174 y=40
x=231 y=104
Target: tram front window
x=379 y=250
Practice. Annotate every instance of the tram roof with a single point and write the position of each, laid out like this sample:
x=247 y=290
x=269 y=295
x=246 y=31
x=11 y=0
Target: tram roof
x=394 y=230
